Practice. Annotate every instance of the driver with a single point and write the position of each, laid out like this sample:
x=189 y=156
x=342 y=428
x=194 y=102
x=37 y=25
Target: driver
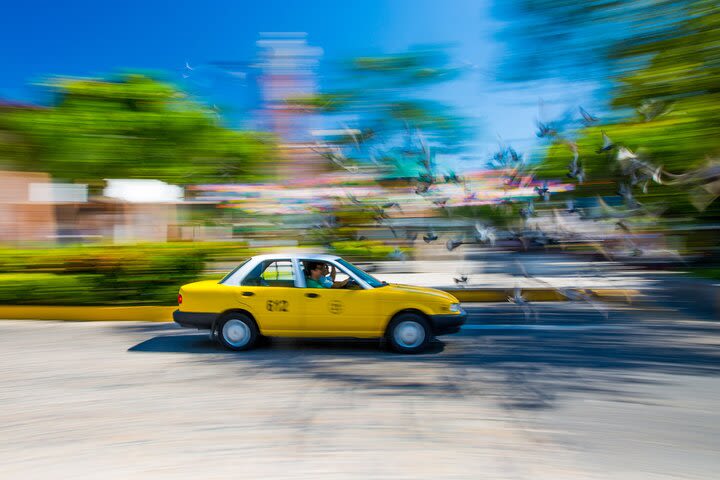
x=313 y=271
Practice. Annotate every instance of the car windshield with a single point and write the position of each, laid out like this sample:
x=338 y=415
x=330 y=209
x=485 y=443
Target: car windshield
x=369 y=279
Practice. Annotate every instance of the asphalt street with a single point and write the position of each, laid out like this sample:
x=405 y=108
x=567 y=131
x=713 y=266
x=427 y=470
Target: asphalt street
x=564 y=391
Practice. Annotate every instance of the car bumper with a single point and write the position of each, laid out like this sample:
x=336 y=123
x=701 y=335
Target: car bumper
x=202 y=321
x=444 y=324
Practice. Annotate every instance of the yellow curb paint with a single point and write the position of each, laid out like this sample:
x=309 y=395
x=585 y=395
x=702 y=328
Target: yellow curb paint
x=479 y=295
x=164 y=314
x=615 y=295
x=538 y=295
x=87 y=314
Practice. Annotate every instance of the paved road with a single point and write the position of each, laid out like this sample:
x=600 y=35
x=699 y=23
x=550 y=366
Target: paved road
x=570 y=394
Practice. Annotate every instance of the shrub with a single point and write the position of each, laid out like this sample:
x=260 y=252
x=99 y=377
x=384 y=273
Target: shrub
x=136 y=275
x=363 y=249
x=48 y=289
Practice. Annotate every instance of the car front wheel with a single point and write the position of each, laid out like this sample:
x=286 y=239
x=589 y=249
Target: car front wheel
x=408 y=333
x=237 y=332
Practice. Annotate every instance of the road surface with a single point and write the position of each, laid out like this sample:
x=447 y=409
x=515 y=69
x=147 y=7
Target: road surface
x=572 y=392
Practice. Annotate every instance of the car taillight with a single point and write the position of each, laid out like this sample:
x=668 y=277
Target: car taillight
x=179 y=298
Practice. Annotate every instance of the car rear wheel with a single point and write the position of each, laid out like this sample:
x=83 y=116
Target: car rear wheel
x=408 y=333
x=237 y=332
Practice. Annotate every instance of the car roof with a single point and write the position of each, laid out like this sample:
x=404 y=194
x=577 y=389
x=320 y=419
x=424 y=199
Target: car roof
x=296 y=256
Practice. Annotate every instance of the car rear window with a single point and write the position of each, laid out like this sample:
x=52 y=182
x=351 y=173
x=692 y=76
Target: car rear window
x=233 y=271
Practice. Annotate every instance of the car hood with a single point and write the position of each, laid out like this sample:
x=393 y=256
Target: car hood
x=439 y=294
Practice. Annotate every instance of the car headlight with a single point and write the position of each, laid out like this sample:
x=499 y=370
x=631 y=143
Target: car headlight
x=455 y=307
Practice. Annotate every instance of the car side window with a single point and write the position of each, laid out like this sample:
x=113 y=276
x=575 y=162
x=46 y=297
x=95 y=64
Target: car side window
x=278 y=274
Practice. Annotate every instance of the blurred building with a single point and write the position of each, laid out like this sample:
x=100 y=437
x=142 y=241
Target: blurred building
x=288 y=67
x=33 y=208
x=21 y=217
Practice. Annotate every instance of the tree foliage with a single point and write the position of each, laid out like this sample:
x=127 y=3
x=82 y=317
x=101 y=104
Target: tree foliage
x=580 y=40
x=665 y=93
x=383 y=99
x=131 y=127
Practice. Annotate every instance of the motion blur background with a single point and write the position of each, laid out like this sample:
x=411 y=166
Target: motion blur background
x=143 y=146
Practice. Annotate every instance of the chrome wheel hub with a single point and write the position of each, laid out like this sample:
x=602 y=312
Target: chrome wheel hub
x=409 y=334
x=236 y=333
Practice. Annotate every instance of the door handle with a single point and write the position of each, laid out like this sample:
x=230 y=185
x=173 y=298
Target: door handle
x=312 y=295
x=247 y=294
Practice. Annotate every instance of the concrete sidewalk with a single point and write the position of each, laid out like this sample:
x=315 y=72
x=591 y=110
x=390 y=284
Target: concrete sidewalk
x=507 y=271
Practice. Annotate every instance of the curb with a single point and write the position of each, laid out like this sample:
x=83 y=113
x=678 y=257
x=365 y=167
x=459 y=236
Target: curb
x=164 y=314
x=87 y=314
x=538 y=294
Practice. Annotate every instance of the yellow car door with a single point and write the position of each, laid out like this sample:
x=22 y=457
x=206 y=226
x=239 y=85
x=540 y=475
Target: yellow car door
x=337 y=312
x=273 y=299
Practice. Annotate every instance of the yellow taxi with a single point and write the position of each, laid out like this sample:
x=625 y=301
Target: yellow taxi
x=312 y=295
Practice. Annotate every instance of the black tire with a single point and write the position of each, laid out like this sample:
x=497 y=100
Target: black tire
x=237 y=331
x=408 y=333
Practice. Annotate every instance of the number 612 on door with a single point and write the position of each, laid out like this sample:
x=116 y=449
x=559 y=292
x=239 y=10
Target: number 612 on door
x=277 y=305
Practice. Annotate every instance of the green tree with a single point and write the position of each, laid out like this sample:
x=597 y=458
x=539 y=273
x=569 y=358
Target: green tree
x=665 y=94
x=133 y=127
x=576 y=40
x=386 y=102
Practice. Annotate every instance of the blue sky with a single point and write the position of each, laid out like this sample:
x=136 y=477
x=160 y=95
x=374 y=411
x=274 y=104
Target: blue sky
x=83 y=38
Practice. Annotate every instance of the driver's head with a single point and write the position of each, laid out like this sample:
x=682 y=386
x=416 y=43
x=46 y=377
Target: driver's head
x=314 y=270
